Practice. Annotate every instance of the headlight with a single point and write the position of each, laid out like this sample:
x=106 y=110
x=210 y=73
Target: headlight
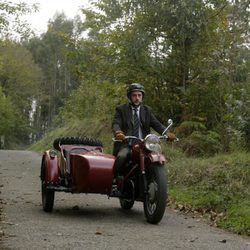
x=52 y=153
x=152 y=143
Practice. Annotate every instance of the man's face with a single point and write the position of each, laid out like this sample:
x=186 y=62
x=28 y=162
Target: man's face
x=136 y=98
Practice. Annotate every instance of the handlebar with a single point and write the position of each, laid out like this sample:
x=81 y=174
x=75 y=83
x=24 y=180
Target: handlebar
x=128 y=137
x=161 y=137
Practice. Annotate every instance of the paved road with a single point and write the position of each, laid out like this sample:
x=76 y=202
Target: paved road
x=81 y=221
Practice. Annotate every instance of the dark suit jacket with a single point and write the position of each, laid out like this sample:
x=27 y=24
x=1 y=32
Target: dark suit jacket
x=123 y=120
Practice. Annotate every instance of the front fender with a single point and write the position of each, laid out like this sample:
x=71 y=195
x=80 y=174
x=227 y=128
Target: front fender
x=156 y=157
x=49 y=169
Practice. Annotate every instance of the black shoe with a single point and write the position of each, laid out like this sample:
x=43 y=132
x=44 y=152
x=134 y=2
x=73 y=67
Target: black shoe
x=118 y=179
x=115 y=192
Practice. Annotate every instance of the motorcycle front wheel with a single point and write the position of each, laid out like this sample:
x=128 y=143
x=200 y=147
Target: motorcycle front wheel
x=156 y=197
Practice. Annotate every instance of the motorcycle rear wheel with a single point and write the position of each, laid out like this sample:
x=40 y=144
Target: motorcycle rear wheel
x=126 y=204
x=156 y=198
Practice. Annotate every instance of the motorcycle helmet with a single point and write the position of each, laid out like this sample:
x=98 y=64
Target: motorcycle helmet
x=135 y=87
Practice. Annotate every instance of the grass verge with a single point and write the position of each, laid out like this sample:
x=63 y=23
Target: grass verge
x=217 y=188
x=89 y=127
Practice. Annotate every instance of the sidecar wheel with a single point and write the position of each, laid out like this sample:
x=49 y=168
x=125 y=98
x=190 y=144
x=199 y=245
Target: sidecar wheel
x=126 y=204
x=47 y=198
x=156 y=198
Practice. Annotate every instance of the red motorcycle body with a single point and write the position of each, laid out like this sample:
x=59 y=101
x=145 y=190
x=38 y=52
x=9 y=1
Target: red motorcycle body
x=138 y=152
x=82 y=168
x=87 y=169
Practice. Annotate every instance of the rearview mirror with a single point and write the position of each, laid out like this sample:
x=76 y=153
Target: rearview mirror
x=170 y=123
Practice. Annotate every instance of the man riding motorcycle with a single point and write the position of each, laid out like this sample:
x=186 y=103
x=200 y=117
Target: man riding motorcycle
x=133 y=119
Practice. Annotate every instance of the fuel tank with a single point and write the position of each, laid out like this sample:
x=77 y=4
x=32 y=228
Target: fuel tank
x=92 y=172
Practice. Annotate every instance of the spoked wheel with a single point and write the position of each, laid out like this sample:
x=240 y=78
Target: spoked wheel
x=156 y=198
x=47 y=198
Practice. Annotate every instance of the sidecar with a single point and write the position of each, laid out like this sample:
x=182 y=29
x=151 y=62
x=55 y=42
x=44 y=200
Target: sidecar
x=77 y=165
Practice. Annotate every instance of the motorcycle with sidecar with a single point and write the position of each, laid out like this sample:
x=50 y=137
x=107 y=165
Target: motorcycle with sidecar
x=79 y=165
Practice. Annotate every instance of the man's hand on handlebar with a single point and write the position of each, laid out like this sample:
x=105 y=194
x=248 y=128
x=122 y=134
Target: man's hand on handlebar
x=119 y=135
x=171 y=137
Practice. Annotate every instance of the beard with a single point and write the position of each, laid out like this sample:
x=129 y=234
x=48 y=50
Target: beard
x=135 y=104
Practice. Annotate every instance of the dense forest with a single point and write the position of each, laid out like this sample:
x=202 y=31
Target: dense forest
x=192 y=56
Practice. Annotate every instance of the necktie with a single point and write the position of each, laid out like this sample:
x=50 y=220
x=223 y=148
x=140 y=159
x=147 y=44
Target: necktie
x=136 y=123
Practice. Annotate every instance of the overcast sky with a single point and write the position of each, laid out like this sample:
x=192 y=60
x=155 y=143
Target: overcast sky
x=47 y=9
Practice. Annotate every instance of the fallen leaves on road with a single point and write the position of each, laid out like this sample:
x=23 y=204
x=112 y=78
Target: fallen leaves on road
x=98 y=233
x=198 y=213
x=223 y=241
x=8 y=223
x=76 y=208
x=193 y=240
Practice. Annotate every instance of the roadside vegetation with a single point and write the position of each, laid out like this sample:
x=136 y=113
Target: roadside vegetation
x=215 y=188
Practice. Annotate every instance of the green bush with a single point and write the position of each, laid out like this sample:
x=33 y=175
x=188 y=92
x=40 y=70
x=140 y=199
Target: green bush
x=201 y=144
x=196 y=140
x=186 y=128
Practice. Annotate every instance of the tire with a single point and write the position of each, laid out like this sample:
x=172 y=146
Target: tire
x=155 y=200
x=76 y=141
x=47 y=198
x=126 y=204
x=47 y=195
x=128 y=190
